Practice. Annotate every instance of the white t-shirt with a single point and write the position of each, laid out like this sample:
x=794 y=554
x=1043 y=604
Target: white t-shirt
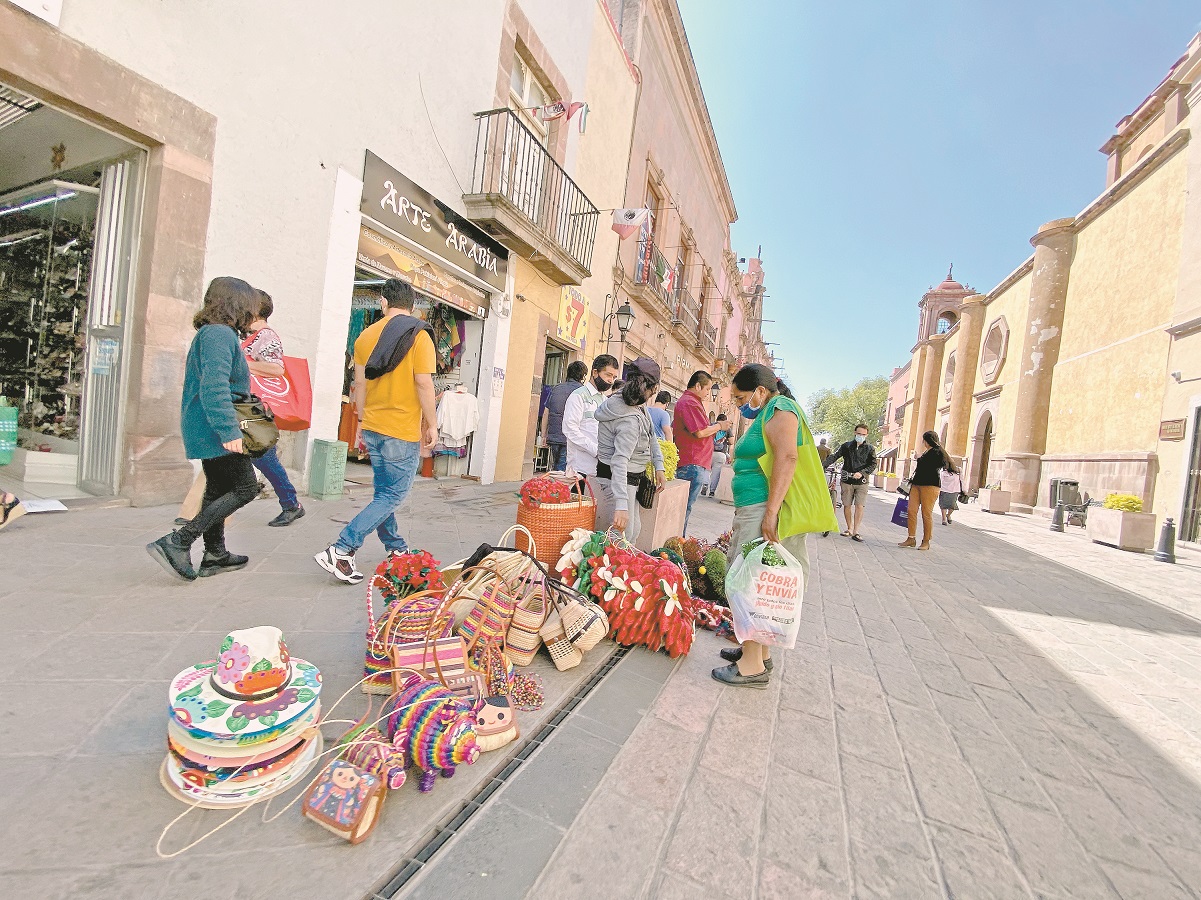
x=950 y=481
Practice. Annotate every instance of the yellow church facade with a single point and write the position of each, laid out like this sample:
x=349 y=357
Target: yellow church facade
x=1085 y=362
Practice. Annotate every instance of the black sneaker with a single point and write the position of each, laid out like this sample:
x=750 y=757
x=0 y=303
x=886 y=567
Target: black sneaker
x=733 y=654
x=730 y=675
x=287 y=517
x=173 y=556
x=215 y=564
x=340 y=565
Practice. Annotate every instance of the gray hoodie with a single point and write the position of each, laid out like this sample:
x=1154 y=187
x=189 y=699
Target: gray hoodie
x=626 y=443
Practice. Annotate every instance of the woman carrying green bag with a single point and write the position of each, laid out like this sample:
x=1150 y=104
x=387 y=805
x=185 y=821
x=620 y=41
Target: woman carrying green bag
x=780 y=494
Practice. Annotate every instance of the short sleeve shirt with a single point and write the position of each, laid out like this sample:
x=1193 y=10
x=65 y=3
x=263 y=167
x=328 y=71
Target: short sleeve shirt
x=690 y=418
x=391 y=407
x=660 y=418
x=266 y=347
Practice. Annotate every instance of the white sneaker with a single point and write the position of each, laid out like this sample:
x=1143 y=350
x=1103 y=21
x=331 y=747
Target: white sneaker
x=340 y=565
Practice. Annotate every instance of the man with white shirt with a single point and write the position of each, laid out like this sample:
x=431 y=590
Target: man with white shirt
x=579 y=426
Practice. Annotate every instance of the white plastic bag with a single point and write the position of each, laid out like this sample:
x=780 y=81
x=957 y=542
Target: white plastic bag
x=765 y=601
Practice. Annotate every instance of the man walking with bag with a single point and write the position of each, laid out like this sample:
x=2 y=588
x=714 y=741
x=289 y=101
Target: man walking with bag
x=858 y=462
x=394 y=364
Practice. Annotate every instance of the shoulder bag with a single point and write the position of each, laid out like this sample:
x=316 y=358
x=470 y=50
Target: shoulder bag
x=257 y=422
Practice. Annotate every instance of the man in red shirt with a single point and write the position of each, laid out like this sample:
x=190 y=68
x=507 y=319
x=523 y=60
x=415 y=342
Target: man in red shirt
x=693 y=437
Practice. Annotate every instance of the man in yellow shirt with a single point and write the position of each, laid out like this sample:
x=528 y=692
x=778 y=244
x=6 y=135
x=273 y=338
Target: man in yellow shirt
x=394 y=364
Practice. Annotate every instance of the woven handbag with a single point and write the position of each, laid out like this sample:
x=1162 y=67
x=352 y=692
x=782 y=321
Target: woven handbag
x=549 y=525
x=584 y=622
x=563 y=652
x=523 y=638
x=408 y=619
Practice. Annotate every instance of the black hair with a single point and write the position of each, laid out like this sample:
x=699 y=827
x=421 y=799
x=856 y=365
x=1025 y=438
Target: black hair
x=931 y=439
x=663 y=397
x=267 y=307
x=759 y=376
x=398 y=294
x=228 y=301
x=721 y=417
x=699 y=378
x=604 y=361
x=577 y=371
x=636 y=388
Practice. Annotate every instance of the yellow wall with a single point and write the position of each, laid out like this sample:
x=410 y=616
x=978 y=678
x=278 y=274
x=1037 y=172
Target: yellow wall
x=1109 y=382
x=1013 y=305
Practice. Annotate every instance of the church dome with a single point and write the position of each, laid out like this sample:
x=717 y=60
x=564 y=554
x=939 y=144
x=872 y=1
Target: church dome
x=949 y=284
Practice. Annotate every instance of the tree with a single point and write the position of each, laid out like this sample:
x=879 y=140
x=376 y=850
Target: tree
x=838 y=412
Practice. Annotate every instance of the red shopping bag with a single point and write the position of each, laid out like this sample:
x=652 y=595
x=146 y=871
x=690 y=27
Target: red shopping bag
x=289 y=396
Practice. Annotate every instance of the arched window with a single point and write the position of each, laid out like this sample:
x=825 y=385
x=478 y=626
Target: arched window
x=945 y=322
x=948 y=379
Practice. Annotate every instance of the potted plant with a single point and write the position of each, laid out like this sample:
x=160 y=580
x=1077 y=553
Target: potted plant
x=890 y=482
x=878 y=479
x=994 y=500
x=1121 y=523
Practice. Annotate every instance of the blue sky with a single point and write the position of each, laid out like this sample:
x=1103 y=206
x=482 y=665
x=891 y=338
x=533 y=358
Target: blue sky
x=869 y=145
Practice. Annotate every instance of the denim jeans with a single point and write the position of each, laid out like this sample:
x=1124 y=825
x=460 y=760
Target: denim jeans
x=394 y=464
x=273 y=469
x=697 y=477
x=229 y=484
x=558 y=457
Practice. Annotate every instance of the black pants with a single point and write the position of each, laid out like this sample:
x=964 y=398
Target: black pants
x=230 y=484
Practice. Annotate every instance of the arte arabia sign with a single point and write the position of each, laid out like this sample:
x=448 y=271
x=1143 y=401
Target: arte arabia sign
x=408 y=209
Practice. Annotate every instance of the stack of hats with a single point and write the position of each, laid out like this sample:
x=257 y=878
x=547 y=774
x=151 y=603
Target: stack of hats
x=243 y=727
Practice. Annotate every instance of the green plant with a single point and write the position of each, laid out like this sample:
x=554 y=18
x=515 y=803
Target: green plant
x=671 y=458
x=1130 y=503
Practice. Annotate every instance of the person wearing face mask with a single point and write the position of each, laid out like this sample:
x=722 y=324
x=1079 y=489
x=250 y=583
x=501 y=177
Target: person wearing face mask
x=579 y=424
x=626 y=442
x=774 y=494
x=858 y=462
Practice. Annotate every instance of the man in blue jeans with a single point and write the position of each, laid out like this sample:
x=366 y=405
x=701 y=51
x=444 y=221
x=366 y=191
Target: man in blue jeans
x=394 y=364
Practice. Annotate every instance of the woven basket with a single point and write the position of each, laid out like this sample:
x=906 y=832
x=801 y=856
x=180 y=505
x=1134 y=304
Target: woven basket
x=563 y=652
x=551 y=524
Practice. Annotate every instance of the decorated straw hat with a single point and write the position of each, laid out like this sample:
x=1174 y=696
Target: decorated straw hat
x=253 y=689
x=215 y=753
x=229 y=795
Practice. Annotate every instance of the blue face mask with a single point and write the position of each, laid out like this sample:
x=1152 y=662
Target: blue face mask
x=750 y=412
x=860 y=438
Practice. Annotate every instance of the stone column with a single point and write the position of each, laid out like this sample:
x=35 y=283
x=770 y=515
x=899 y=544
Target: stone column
x=909 y=430
x=1054 y=245
x=931 y=377
x=967 y=359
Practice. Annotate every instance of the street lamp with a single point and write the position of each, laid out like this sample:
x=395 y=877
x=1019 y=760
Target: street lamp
x=714 y=391
x=625 y=318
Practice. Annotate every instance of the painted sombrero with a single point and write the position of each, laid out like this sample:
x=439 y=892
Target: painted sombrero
x=266 y=742
x=252 y=687
x=240 y=774
x=228 y=796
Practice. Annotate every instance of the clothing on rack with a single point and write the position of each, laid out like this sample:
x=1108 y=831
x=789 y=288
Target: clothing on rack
x=458 y=416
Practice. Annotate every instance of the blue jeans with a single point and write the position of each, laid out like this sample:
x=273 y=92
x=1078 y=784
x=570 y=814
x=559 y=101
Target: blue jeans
x=697 y=477
x=558 y=456
x=273 y=469
x=394 y=464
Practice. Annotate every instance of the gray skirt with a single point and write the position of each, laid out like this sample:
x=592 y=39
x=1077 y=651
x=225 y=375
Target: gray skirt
x=948 y=500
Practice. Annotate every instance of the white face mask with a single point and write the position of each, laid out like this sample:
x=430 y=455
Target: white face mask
x=860 y=438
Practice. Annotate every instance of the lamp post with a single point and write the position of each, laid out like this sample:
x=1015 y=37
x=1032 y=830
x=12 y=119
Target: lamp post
x=624 y=316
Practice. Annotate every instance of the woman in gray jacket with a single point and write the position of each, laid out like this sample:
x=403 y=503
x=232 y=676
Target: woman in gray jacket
x=626 y=442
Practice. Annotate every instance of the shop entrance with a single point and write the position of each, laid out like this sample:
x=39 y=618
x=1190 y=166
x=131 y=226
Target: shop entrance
x=69 y=211
x=554 y=372
x=1190 y=517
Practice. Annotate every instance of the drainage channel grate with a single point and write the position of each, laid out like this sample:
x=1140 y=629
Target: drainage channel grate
x=440 y=835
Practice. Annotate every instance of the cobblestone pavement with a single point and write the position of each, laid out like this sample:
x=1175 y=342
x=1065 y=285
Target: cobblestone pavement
x=975 y=721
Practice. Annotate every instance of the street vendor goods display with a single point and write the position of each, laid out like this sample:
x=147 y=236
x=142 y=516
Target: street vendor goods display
x=647 y=598
x=345 y=800
x=765 y=587
x=242 y=726
x=412 y=589
x=433 y=727
x=549 y=512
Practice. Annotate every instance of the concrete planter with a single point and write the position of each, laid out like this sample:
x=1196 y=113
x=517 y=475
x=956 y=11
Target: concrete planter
x=878 y=481
x=1124 y=530
x=890 y=485
x=666 y=519
x=994 y=501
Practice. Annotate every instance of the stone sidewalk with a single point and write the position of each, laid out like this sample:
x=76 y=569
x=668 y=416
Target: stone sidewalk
x=976 y=721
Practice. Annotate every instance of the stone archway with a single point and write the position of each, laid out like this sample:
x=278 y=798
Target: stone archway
x=981 y=451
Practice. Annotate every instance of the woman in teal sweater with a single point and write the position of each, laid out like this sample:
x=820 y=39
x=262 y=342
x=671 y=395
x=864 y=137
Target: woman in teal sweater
x=214 y=376
x=773 y=489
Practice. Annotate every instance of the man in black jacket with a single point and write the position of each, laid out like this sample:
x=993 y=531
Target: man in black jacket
x=858 y=462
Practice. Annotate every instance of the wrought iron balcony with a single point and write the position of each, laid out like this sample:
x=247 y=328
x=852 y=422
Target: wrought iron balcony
x=706 y=339
x=687 y=311
x=653 y=270
x=523 y=197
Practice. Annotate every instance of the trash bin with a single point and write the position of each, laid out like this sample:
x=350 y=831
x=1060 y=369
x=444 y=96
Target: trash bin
x=328 y=470
x=1065 y=491
x=8 y=431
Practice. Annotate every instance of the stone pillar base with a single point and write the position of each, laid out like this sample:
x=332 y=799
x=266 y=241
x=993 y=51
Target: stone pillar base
x=1020 y=477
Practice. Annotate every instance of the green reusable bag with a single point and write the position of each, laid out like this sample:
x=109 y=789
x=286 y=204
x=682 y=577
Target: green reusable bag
x=807 y=507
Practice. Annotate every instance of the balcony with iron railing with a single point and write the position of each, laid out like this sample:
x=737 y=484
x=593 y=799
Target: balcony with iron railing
x=523 y=197
x=654 y=272
x=706 y=339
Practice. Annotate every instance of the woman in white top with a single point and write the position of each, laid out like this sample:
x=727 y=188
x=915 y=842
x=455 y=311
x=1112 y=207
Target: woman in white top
x=950 y=486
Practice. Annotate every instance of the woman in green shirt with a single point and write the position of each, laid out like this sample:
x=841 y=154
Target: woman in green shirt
x=768 y=494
